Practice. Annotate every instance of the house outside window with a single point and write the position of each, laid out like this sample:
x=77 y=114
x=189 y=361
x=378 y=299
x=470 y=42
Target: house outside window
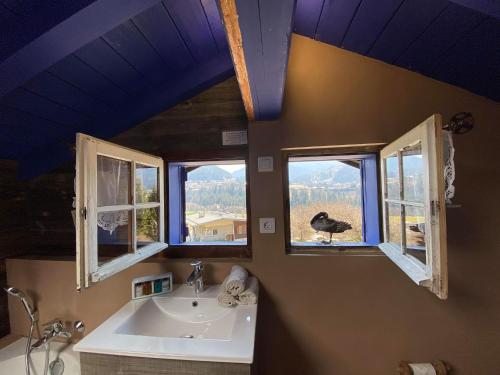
x=210 y=203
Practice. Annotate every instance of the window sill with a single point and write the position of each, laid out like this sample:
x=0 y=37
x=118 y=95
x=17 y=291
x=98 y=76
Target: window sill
x=211 y=243
x=207 y=250
x=325 y=250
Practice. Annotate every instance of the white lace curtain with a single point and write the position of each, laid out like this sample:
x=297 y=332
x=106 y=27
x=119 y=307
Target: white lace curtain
x=449 y=166
x=113 y=186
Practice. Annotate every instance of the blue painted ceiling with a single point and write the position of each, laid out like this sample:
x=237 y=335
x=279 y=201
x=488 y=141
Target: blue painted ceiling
x=437 y=38
x=177 y=48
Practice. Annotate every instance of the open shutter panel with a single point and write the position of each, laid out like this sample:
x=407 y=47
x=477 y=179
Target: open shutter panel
x=120 y=208
x=414 y=218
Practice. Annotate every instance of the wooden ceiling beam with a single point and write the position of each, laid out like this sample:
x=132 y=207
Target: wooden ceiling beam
x=258 y=34
x=233 y=33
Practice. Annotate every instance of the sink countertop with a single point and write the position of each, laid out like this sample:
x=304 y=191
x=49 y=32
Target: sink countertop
x=147 y=328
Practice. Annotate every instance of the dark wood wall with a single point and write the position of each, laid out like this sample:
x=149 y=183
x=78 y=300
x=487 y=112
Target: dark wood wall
x=36 y=214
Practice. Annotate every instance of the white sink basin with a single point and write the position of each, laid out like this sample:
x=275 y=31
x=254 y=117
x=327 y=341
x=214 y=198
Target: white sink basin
x=180 y=317
x=177 y=326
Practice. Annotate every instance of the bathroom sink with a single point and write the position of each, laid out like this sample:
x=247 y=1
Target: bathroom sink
x=184 y=317
x=178 y=325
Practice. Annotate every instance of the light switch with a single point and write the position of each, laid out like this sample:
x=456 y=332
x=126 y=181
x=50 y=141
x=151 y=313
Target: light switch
x=267 y=225
x=265 y=163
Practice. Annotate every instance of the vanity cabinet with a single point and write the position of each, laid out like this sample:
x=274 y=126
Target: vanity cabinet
x=103 y=364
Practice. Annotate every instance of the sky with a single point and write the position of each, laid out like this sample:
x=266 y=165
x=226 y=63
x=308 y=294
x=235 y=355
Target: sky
x=232 y=167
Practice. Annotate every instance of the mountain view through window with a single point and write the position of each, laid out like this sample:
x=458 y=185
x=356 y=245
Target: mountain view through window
x=330 y=186
x=215 y=197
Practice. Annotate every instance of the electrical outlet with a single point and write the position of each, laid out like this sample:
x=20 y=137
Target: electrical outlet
x=265 y=163
x=267 y=225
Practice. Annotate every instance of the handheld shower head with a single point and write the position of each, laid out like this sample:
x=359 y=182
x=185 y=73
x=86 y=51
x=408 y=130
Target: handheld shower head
x=13 y=291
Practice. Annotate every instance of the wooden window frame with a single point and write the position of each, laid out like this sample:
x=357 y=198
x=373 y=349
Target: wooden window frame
x=213 y=251
x=333 y=151
x=434 y=274
x=88 y=270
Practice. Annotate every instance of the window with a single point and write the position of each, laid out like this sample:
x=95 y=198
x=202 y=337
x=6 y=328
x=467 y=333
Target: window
x=327 y=189
x=413 y=205
x=208 y=203
x=119 y=198
x=332 y=201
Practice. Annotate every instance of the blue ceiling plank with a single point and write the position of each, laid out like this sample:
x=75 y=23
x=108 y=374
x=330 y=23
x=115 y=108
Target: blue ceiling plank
x=196 y=80
x=103 y=58
x=368 y=23
x=335 y=20
x=307 y=14
x=410 y=21
x=149 y=104
x=215 y=22
x=75 y=71
x=54 y=155
x=6 y=15
x=18 y=32
x=12 y=150
x=41 y=128
x=190 y=19
x=132 y=46
x=158 y=28
x=40 y=106
x=57 y=90
x=25 y=7
x=64 y=38
x=19 y=133
x=266 y=28
x=453 y=24
x=473 y=62
x=13 y=116
x=488 y=7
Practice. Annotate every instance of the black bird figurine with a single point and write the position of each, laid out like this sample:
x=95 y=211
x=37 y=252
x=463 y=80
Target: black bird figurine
x=322 y=223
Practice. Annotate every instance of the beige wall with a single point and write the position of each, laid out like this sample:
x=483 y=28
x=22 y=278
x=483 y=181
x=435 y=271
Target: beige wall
x=343 y=315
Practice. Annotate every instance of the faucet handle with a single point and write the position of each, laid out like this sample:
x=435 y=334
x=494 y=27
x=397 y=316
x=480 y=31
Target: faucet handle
x=55 y=324
x=79 y=326
x=197 y=264
x=52 y=322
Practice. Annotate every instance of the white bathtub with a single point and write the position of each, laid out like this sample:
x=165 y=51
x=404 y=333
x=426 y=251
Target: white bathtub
x=12 y=358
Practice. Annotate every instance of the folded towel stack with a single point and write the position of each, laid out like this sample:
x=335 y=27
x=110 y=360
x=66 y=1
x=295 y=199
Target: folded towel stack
x=238 y=288
x=224 y=298
x=236 y=281
x=249 y=295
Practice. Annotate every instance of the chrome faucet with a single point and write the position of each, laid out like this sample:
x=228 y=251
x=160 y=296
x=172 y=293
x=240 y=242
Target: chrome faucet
x=196 y=277
x=55 y=329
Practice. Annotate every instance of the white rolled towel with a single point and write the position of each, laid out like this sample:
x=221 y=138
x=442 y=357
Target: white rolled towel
x=249 y=295
x=235 y=283
x=225 y=299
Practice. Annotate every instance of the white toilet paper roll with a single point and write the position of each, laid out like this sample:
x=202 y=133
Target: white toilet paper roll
x=422 y=369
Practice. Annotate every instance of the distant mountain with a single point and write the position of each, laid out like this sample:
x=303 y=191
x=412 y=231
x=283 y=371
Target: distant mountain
x=412 y=165
x=312 y=173
x=209 y=173
x=240 y=175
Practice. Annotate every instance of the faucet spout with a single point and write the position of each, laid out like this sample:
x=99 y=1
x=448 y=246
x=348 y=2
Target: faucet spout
x=196 y=277
x=54 y=329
